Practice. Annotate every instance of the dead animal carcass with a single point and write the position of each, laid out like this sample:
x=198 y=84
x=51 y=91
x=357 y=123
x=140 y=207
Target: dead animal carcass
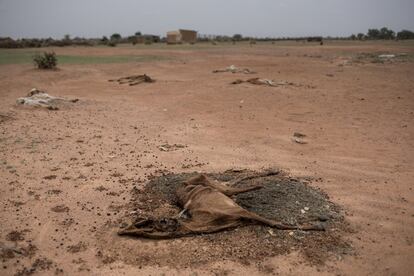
x=134 y=80
x=38 y=98
x=233 y=69
x=267 y=82
x=206 y=208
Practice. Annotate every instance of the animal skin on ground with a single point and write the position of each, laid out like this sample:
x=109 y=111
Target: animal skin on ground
x=208 y=208
x=38 y=98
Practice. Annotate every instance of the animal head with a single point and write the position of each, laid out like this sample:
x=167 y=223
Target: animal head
x=200 y=179
x=153 y=228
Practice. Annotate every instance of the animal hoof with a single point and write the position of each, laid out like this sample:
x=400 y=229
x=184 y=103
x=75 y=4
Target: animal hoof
x=323 y=218
x=319 y=227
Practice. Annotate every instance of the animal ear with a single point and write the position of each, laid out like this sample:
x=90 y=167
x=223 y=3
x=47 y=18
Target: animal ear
x=197 y=180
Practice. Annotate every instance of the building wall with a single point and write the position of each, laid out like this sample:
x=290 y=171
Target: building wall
x=188 y=36
x=181 y=36
x=173 y=37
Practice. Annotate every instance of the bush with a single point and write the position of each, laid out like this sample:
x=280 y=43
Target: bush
x=111 y=43
x=360 y=36
x=383 y=33
x=7 y=42
x=405 y=34
x=237 y=37
x=46 y=61
x=116 y=36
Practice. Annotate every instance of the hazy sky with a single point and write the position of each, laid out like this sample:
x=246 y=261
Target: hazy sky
x=95 y=18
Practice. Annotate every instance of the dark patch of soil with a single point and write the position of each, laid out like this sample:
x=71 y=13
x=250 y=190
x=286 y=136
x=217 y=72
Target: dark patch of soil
x=54 y=192
x=60 y=209
x=40 y=264
x=12 y=252
x=101 y=189
x=15 y=236
x=7 y=252
x=283 y=198
x=76 y=248
x=4 y=118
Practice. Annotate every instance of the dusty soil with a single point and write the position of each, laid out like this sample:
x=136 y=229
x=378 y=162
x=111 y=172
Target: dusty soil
x=68 y=177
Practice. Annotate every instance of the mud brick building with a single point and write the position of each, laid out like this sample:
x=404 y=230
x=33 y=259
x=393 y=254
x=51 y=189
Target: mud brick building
x=181 y=36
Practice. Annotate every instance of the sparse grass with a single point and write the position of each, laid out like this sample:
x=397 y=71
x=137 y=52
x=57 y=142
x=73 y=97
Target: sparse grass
x=106 y=59
x=374 y=58
x=26 y=57
x=15 y=57
x=126 y=51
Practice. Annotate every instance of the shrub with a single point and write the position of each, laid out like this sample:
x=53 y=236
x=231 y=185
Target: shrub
x=116 y=36
x=148 y=42
x=237 y=37
x=405 y=34
x=46 y=61
x=373 y=34
x=7 y=42
x=360 y=36
x=111 y=43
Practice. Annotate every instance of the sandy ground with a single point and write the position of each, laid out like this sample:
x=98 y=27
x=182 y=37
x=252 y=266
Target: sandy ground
x=66 y=174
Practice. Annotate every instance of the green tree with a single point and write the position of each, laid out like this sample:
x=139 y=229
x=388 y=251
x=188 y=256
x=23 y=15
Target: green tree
x=116 y=36
x=373 y=34
x=237 y=37
x=405 y=34
x=360 y=36
x=386 y=33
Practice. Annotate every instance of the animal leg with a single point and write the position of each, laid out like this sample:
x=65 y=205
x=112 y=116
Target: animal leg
x=282 y=226
x=234 y=191
x=228 y=191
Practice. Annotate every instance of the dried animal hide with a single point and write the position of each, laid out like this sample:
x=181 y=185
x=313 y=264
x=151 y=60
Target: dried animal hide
x=134 y=80
x=207 y=208
x=233 y=69
x=38 y=98
x=259 y=81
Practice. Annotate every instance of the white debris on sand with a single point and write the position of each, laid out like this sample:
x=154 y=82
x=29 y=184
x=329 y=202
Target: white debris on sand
x=388 y=56
x=168 y=147
x=299 y=138
x=233 y=69
x=38 y=98
x=267 y=82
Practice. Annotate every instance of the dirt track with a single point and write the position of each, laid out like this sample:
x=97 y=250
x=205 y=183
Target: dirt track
x=66 y=175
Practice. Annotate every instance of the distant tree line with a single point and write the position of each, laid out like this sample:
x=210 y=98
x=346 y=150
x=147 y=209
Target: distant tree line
x=372 y=34
x=113 y=40
x=384 y=34
x=137 y=38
